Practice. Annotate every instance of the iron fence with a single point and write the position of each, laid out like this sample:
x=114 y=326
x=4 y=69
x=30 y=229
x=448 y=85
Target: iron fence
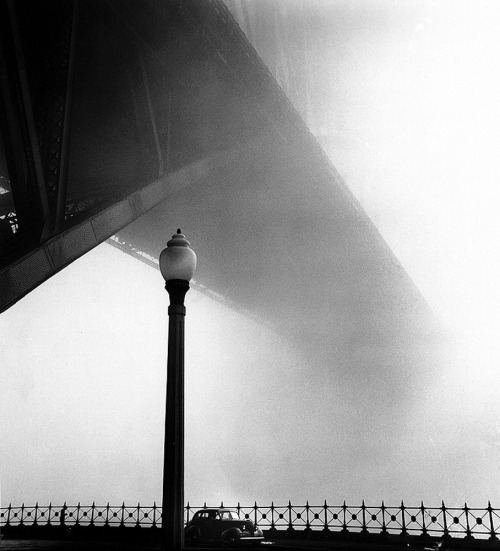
x=420 y=520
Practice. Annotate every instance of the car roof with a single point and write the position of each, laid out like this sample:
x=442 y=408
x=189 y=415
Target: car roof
x=217 y=509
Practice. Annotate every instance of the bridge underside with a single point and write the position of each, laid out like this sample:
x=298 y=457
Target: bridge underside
x=100 y=99
x=134 y=118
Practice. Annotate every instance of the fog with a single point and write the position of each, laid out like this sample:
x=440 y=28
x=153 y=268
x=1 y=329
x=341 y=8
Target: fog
x=402 y=96
x=83 y=393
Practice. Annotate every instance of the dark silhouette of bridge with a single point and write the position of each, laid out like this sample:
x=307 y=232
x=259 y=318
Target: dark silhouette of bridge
x=129 y=118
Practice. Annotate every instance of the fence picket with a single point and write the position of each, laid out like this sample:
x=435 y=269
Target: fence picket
x=492 y=526
x=384 y=527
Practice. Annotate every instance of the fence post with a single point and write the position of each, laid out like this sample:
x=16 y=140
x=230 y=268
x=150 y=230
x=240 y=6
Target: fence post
x=363 y=510
x=255 y=512
x=238 y=508
x=403 y=520
x=62 y=518
x=325 y=507
x=138 y=515
x=78 y=514
x=22 y=515
x=123 y=515
x=36 y=515
x=92 y=514
x=468 y=533
x=154 y=514
x=50 y=512
x=445 y=523
x=308 y=524
x=290 y=524
x=492 y=526
x=344 y=525
x=107 y=515
x=188 y=510
x=272 y=515
x=384 y=527
x=424 y=528
x=9 y=510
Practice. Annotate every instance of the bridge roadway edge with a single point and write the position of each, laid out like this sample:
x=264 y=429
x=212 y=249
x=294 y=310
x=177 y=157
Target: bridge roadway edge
x=21 y=277
x=102 y=538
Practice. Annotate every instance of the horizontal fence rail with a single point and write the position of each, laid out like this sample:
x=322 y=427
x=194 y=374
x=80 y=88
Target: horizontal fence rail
x=481 y=523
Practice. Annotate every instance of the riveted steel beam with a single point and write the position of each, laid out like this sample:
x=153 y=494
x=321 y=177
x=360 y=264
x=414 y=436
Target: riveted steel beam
x=65 y=141
x=161 y=168
x=37 y=266
x=22 y=148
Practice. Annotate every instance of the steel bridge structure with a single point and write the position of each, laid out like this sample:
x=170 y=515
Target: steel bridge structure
x=105 y=111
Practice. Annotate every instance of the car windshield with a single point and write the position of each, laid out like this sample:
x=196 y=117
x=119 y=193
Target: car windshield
x=229 y=515
x=206 y=515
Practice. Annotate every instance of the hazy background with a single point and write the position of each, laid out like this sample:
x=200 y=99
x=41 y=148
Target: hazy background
x=403 y=97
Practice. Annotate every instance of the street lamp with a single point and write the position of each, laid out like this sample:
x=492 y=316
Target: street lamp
x=177 y=266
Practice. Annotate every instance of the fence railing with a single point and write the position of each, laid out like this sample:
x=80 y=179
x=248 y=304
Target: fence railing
x=432 y=521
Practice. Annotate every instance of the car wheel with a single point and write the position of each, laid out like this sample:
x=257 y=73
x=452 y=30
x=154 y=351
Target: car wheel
x=194 y=537
x=232 y=538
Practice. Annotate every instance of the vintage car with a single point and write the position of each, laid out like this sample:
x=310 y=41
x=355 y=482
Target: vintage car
x=221 y=525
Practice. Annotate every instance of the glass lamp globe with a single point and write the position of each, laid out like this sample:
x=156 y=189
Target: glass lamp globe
x=178 y=260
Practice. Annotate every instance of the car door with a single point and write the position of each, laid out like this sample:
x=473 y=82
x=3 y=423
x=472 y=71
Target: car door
x=226 y=521
x=205 y=524
x=215 y=526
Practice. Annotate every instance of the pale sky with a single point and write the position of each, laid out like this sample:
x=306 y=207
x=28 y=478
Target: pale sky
x=83 y=377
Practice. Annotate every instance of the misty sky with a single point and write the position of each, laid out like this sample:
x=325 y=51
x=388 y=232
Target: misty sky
x=404 y=101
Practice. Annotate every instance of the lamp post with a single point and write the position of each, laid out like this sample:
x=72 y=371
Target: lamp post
x=177 y=266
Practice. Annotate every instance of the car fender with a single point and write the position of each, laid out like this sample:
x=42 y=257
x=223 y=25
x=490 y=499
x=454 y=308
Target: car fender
x=231 y=534
x=192 y=533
